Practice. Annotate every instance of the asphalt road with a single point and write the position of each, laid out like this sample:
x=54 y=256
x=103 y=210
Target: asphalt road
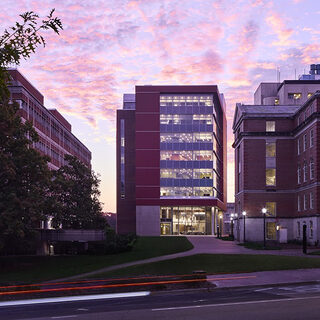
x=294 y=302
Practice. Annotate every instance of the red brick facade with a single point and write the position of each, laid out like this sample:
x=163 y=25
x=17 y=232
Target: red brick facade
x=251 y=192
x=55 y=136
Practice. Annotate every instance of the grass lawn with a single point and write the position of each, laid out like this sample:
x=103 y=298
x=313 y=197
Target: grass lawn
x=217 y=263
x=31 y=269
x=315 y=253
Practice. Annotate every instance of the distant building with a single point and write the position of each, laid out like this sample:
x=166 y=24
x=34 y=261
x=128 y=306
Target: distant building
x=277 y=150
x=55 y=136
x=171 y=160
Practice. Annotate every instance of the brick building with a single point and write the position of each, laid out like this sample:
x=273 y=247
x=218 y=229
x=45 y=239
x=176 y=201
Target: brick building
x=55 y=136
x=276 y=160
x=171 y=160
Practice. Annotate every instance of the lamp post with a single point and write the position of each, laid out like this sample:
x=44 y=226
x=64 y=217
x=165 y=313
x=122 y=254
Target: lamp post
x=244 y=225
x=236 y=217
x=231 y=225
x=220 y=226
x=264 y=211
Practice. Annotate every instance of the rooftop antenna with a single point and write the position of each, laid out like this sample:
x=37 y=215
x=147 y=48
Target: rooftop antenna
x=278 y=74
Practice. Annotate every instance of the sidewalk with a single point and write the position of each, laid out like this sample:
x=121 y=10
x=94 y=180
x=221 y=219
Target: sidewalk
x=213 y=245
x=265 y=278
x=202 y=244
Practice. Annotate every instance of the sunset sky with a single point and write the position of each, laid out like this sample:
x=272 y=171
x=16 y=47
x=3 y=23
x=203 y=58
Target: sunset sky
x=109 y=46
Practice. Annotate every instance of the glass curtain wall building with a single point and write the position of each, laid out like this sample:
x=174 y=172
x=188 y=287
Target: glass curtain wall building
x=188 y=160
x=180 y=143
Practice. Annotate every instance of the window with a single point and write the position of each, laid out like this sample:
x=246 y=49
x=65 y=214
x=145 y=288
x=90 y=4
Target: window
x=298 y=229
x=309 y=95
x=299 y=204
x=299 y=174
x=311 y=138
x=276 y=101
x=304 y=142
x=298 y=146
x=270 y=126
x=311 y=228
x=294 y=96
x=311 y=200
x=271 y=231
x=311 y=169
x=271 y=208
x=270 y=177
x=270 y=149
x=304 y=202
x=305 y=172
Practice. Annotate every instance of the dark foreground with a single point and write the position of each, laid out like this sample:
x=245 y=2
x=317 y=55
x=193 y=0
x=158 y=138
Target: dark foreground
x=284 y=302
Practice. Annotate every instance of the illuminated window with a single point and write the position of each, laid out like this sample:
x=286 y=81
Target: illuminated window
x=271 y=208
x=271 y=149
x=294 y=96
x=271 y=231
x=187 y=142
x=270 y=177
x=310 y=95
x=270 y=126
x=276 y=102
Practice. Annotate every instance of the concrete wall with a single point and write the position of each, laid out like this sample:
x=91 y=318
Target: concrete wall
x=148 y=220
x=254 y=228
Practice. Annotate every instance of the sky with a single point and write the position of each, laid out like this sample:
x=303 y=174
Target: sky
x=109 y=46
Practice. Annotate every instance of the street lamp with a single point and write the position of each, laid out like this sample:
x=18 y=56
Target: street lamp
x=244 y=213
x=232 y=215
x=220 y=226
x=264 y=211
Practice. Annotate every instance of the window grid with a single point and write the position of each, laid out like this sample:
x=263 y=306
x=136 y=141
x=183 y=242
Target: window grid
x=188 y=146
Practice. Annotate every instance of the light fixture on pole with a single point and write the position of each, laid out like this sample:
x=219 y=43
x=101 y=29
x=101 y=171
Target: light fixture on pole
x=220 y=225
x=244 y=213
x=264 y=211
x=232 y=215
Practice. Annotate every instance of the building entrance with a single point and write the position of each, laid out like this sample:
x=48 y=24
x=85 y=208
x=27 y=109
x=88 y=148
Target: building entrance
x=185 y=220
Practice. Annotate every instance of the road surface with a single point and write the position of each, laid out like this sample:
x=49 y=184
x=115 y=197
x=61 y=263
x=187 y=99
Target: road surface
x=291 y=302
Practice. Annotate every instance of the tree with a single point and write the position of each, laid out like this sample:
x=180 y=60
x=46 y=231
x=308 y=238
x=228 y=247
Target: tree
x=75 y=197
x=24 y=174
x=21 y=40
x=24 y=179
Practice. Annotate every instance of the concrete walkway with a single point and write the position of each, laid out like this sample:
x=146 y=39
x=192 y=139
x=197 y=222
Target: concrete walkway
x=265 y=278
x=202 y=244
x=209 y=244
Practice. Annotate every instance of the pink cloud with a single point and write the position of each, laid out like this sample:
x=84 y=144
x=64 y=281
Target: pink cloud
x=276 y=22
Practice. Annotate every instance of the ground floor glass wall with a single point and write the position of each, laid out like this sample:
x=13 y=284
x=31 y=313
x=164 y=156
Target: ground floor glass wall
x=185 y=220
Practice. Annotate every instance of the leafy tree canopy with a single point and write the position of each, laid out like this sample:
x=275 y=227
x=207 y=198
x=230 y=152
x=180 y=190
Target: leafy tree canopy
x=75 y=197
x=24 y=174
x=22 y=39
